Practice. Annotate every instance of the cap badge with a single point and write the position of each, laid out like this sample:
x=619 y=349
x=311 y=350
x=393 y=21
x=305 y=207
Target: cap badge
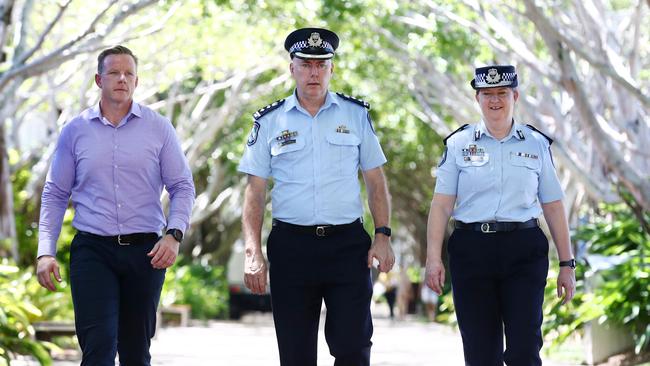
x=492 y=76
x=314 y=40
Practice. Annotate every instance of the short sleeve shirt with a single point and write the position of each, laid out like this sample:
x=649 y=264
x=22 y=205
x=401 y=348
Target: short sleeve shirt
x=314 y=161
x=498 y=180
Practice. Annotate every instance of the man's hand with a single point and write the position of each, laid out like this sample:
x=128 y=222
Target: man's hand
x=255 y=270
x=164 y=253
x=566 y=284
x=47 y=266
x=435 y=275
x=381 y=250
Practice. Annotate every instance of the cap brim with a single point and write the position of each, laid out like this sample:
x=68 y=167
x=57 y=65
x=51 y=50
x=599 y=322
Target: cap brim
x=308 y=56
x=513 y=84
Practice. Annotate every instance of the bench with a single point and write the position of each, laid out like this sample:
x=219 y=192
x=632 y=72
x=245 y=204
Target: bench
x=44 y=331
x=182 y=311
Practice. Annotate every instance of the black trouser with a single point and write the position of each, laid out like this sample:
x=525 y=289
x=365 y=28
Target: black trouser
x=115 y=292
x=498 y=282
x=306 y=269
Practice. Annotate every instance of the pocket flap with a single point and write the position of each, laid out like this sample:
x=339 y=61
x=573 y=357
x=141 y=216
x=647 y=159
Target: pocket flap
x=288 y=146
x=348 y=139
x=528 y=162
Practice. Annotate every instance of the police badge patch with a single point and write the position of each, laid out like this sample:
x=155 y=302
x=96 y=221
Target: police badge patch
x=252 y=138
x=444 y=157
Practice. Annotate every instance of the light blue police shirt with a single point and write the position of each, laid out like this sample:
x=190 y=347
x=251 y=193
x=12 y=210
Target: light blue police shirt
x=314 y=161
x=498 y=180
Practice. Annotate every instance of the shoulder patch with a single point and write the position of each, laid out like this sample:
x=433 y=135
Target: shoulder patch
x=451 y=134
x=261 y=112
x=550 y=140
x=354 y=100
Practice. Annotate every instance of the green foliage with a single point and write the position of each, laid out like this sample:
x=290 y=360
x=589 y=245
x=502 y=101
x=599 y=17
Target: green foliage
x=22 y=302
x=27 y=212
x=620 y=294
x=446 y=313
x=202 y=286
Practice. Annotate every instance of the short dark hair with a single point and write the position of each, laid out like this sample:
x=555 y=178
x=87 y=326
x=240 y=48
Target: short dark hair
x=116 y=50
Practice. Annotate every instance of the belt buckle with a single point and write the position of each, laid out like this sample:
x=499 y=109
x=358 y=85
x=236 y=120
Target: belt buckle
x=120 y=242
x=320 y=230
x=485 y=228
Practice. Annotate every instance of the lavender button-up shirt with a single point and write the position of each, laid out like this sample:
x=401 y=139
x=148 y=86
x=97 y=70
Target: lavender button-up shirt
x=114 y=176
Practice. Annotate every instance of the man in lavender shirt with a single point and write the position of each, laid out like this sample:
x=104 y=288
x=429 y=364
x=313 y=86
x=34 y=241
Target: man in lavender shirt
x=112 y=161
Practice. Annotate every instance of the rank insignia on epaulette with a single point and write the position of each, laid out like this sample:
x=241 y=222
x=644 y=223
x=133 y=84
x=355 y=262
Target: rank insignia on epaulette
x=354 y=100
x=550 y=140
x=342 y=129
x=262 y=111
x=444 y=141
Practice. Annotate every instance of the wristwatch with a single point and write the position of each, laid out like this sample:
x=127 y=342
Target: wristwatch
x=383 y=230
x=570 y=263
x=177 y=234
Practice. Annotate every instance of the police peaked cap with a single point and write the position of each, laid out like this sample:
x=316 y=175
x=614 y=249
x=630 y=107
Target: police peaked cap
x=312 y=43
x=494 y=76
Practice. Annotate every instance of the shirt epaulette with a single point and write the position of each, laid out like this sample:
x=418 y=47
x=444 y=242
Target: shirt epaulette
x=354 y=100
x=451 y=134
x=261 y=112
x=550 y=140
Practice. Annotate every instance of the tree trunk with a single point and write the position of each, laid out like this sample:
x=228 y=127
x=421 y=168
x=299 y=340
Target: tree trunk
x=7 y=219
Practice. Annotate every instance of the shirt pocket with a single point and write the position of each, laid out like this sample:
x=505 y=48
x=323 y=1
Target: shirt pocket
x=344 y=152
x=525 y=174
x=474 y=176
x=286 y=159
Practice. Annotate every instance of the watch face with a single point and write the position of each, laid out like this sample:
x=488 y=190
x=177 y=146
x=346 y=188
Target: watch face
x=177 y=234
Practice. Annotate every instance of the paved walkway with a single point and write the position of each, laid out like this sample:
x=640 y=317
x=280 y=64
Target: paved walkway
x=252 y=342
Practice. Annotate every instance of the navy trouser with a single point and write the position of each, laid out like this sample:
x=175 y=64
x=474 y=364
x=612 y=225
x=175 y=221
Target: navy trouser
x=498 y=282
x=306 y=269
x=115 y=292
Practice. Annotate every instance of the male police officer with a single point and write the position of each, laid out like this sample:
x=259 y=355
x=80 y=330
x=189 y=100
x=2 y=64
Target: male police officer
x=313 y=144
x=500 y=175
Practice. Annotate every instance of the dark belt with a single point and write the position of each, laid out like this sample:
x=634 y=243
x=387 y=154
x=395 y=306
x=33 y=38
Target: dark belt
x=495 y=227
x=318 y=230
x=126 y=239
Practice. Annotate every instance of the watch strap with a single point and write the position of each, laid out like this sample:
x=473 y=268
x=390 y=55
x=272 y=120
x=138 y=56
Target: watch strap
x=383 y=230
x=569 y=263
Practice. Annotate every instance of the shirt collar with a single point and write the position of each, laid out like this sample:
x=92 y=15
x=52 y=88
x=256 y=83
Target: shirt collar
x=515 y=132
x=292 y=101
x=134 y=111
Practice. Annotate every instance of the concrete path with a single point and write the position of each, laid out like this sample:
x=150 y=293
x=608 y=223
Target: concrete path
x=251 y=341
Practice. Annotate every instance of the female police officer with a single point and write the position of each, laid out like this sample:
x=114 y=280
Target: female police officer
x=495 y=178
